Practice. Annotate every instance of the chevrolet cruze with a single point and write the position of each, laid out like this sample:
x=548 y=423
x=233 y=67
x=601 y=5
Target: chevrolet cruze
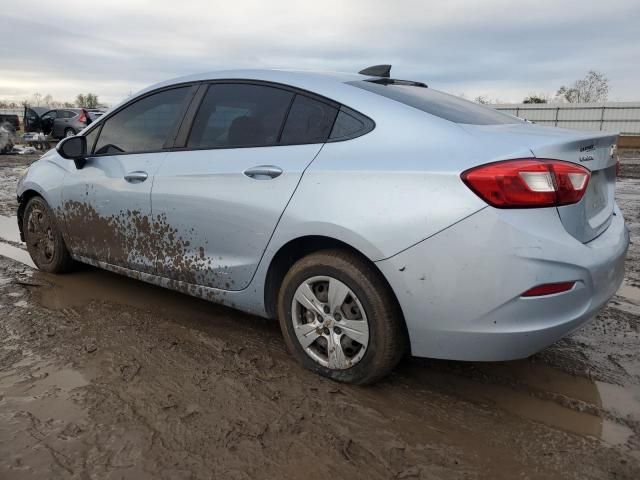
x=372 y=216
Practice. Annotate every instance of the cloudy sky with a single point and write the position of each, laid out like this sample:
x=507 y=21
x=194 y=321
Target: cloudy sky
x=502 y=49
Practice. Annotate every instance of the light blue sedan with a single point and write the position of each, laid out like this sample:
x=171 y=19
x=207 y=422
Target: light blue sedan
x=372 y=216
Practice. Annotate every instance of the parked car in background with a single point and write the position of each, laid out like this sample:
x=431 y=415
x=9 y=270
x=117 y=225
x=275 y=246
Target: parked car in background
x=95 y=113
x=10 y=120
x=370 y=215
x=58 y=123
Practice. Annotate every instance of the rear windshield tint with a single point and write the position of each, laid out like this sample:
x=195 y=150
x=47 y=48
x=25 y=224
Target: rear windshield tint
x=439 y=104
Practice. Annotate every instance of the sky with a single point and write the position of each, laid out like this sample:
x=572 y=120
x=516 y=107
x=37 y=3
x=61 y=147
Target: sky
x=504 y=50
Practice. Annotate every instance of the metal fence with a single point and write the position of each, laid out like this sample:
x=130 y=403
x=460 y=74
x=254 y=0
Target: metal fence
x=622 y=117
x=13 y=111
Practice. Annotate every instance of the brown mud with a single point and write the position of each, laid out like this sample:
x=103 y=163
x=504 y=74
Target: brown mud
x=103 y=376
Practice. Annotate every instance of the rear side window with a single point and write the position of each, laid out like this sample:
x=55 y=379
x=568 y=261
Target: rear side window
x=309 y=121
x=239 y=115
x=439 y=104
x=143 y=126
x=346 y=126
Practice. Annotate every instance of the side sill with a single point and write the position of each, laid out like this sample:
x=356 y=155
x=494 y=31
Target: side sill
x=206 y=293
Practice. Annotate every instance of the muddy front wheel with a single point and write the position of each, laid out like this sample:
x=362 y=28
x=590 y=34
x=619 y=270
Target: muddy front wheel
x=44 y=239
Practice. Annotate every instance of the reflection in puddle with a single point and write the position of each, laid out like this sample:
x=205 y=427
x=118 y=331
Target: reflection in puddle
x=87 y=284
x=9 y=229
x=542 y=394
x=16 y=254
x=629 y=292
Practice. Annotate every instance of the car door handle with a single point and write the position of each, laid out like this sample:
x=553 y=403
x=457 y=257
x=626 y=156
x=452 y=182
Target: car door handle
x=136 y=177
x=263 y=172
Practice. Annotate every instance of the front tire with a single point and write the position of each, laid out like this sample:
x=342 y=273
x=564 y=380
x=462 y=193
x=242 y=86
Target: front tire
x=44 y=239
x=340 y=319
x=69 y=132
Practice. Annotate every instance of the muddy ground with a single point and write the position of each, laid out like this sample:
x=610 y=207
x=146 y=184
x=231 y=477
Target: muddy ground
x=106 y=377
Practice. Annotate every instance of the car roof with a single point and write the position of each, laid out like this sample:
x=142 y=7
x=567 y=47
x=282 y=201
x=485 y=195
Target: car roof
x=290 y=77
x=330 y=84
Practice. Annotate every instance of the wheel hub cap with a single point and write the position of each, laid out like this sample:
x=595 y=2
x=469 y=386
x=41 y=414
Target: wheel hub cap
x=317 y=304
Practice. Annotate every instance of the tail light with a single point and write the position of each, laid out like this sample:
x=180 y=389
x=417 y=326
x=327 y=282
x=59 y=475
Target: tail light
x=548 y=289
x=528 y=183
x=83 y=116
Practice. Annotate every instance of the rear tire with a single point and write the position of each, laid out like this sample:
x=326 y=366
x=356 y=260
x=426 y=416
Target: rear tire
x=44 y=238
x=352 y=330
x=69 y=132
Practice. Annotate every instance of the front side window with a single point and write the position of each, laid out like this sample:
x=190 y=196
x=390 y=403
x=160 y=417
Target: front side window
x=309 y=121
x=143 y=126
x=50 y=115
x=239 y=115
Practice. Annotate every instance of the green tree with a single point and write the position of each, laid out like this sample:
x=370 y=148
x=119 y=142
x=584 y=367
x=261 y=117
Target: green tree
x=535 y=99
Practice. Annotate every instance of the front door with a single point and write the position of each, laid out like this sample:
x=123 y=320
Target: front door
x=222 y=196
x=107 y=203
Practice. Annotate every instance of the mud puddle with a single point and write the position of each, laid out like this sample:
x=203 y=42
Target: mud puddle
x=629 y=292
x=542 y=394
x=533 y=391
x=40 y=416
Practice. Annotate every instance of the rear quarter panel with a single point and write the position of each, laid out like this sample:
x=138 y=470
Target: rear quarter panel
x=389 y=189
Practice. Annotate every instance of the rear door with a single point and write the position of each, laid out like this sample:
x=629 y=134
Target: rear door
x=60 y=122
x=107 y=203
x=221 y=194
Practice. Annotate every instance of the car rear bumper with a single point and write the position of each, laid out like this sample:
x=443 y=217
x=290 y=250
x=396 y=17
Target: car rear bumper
x=460 y=290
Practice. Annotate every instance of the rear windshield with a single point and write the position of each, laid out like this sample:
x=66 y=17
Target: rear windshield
x=439 y=104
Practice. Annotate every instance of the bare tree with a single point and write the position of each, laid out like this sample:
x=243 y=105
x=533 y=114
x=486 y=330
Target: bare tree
x=90 y=100
x=482 y=99
x=594 y=87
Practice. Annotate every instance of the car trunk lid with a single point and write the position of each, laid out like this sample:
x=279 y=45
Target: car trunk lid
x=592 y=215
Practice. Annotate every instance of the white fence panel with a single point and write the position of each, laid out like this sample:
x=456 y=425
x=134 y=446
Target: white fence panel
x=622 y=117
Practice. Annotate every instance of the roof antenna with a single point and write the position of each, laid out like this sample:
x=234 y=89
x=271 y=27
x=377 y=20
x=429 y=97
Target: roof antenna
x=377 y=71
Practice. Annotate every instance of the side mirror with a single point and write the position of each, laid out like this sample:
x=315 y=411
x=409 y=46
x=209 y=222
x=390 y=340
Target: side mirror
x=73 y=148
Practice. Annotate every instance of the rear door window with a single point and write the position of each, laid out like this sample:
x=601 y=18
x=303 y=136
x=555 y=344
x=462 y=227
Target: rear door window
x=239 y=115
x=438 y=103
x=50 y=115
x=143 y=126
x=309 y=121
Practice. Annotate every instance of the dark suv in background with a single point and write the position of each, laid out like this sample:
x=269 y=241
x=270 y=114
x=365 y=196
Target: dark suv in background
x=10 y=120
x=59 y=123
